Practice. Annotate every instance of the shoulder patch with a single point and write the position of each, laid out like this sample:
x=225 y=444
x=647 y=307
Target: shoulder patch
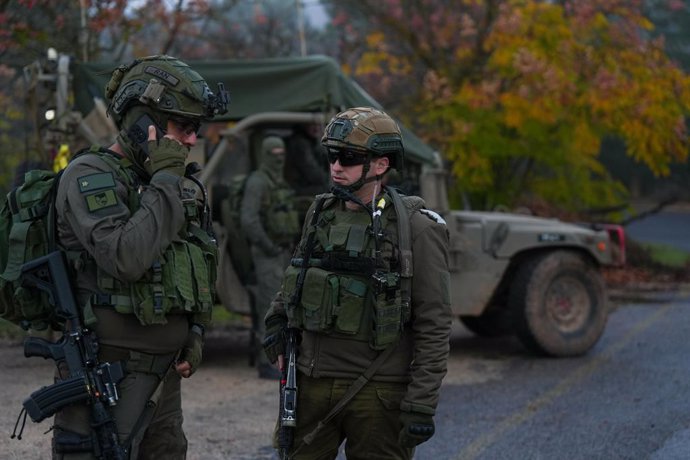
x=96 y=182
x=433 y=216
x=101 y=200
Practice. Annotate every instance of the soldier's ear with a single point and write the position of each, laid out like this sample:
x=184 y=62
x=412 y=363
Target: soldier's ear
x=381 y=165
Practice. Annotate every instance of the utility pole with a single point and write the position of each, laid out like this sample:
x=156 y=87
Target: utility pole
x=300 y=28
x=83 y=31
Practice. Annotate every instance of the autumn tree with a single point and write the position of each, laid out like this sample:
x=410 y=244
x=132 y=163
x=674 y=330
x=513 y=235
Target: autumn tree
x=118 y=30
x=518 y=94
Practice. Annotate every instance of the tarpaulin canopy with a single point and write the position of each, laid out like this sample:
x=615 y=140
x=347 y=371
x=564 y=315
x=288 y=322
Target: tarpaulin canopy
x=308 y=84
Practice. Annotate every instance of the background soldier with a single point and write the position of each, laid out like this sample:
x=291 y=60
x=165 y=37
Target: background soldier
x=145 y=285
x=271 y=224
x=366 y=305
x=306 y=170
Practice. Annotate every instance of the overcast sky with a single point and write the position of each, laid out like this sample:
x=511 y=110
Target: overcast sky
x=315 y=13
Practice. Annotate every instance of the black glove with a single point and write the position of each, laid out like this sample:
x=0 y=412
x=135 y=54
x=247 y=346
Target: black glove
x=416 y=428
x=274 y=339
x=167 y=155
x=192 y=351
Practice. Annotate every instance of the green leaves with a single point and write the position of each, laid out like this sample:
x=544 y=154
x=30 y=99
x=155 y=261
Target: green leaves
x=525 y=90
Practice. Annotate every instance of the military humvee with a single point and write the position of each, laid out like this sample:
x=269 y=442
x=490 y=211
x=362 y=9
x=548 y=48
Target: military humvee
x=511 y=273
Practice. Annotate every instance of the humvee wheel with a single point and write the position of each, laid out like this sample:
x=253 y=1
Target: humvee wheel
x=493 y=322
x=559 y=304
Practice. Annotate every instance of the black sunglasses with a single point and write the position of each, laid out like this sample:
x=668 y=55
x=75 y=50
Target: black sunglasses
x=346 y=157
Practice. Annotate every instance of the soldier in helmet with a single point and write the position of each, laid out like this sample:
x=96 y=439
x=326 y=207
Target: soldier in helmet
x=270 y=221
x=373 y=309
x=142 y=267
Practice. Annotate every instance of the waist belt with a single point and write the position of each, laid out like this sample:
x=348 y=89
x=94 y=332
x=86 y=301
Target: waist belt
x=136 y=361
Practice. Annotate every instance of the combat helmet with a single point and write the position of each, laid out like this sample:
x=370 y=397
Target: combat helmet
x=164 y=88
x=165 y=84
x=367 y=131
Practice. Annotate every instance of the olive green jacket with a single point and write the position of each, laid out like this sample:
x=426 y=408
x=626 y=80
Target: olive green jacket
x=93 y=215
x=422 y=352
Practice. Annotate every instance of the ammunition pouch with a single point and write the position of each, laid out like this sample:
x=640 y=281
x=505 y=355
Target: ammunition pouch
x=355 y=285
x=181 y=282
x=389 y=312
x=330 y=303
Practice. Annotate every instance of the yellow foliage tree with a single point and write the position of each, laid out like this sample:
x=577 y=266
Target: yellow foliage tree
x=518 y=94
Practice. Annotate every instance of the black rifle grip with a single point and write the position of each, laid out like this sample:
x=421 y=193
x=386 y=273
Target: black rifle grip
x=36 y=346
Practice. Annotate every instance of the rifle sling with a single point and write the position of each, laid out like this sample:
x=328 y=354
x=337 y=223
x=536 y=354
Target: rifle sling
x=135 y=436
x=356 y=386
x=161 y=365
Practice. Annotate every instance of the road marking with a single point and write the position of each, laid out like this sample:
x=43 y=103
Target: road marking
x=531 y=408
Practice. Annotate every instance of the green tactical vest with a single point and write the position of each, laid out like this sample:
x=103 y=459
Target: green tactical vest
x=278 y=213
x=180 y=282
x=348 y=291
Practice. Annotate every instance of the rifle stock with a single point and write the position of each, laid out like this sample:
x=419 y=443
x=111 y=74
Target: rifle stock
x=89 y=380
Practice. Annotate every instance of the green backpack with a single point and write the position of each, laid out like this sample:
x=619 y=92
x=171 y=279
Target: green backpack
x=28 y=231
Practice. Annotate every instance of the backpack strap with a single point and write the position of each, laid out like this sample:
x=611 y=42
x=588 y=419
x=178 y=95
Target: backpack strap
x=405 y=247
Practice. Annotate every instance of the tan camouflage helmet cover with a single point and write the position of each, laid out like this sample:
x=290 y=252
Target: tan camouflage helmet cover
x=366 y=130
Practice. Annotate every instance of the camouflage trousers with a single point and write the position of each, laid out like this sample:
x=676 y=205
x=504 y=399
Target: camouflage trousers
x=369 y=424
x=161 y=437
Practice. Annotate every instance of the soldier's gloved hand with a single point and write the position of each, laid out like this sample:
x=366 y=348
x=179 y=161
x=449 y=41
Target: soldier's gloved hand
x=274 y=339
x=190 y=358
x=417 y=427
x=167 y=155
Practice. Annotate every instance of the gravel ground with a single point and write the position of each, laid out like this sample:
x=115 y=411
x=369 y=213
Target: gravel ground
x=229 y=412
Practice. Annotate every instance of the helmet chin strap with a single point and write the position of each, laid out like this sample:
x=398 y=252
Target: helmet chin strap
x=345 y=194
x=363 y=179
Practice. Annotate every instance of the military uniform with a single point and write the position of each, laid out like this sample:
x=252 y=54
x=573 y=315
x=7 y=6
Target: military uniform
x=143 y=268
x=269 y=220
x=306 y=170
x=363 y=296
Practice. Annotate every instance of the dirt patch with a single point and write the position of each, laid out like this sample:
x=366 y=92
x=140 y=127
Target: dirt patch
x=229 y=412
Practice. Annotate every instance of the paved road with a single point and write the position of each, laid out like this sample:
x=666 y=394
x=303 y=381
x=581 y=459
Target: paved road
x=668 y=227
x=627 y=399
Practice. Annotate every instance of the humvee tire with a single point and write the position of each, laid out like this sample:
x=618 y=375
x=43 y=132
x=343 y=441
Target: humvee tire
x=559 y=304
x=493 y=322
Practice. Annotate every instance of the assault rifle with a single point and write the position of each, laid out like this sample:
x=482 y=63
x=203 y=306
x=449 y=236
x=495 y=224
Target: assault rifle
x=288 y=395
x=288 y=379
x=89 y=380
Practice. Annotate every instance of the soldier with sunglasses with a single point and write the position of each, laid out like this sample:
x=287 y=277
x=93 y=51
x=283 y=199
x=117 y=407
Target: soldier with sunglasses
x=368 y=292
x=142 y=259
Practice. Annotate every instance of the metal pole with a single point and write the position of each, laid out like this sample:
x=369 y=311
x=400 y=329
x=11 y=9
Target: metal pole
x=300 y=28
x=84 y=32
